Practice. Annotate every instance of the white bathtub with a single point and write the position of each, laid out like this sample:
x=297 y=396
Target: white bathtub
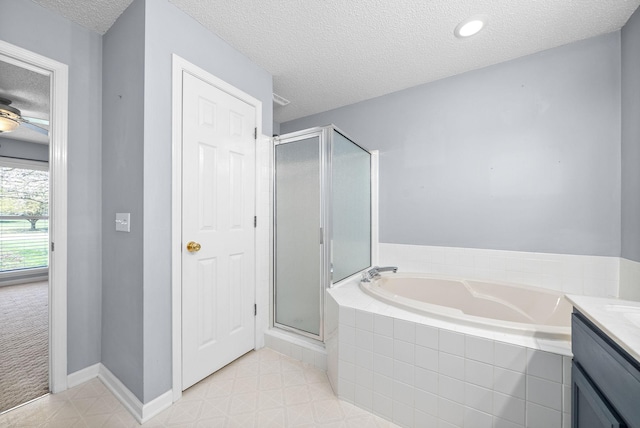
x=502 y=307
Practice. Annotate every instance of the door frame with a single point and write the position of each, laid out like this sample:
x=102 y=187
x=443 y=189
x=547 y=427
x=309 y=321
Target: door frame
x=59 y=94
x=180 y=65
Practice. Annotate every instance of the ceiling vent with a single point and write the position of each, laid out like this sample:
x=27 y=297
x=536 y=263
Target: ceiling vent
x=281 y=101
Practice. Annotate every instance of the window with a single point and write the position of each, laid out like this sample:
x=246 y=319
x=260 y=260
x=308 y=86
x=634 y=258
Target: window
x=24 y=215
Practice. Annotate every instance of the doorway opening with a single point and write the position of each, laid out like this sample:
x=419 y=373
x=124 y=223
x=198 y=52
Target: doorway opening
x=33 y=213
x=24 y=275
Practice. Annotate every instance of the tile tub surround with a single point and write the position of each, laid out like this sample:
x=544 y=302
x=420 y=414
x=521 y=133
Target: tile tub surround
x=629 y=280
x=419 y=372
x=571 y=274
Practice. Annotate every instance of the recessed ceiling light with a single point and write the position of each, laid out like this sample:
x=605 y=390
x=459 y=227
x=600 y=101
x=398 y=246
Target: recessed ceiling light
x=469 y=26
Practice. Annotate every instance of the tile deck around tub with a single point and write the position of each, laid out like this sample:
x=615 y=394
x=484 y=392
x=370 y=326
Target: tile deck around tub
x=261 y=389
x=420 y=372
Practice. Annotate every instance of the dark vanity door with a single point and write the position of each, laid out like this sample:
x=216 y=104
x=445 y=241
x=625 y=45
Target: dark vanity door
x=606 y=379
x=590 y=409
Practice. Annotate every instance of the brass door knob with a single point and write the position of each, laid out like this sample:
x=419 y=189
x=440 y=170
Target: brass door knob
x=193 y=247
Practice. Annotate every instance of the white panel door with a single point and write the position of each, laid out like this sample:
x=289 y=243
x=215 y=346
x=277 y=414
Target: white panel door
x=218 y=206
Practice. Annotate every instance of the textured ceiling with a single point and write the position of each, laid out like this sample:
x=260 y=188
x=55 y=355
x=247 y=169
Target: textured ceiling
x=96 y=15
x=29 y=93
x=325 y=54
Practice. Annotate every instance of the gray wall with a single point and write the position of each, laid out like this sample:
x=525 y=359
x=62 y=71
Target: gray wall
x=122 y=189
x=523 y=155
x=136 y=334
x=24 y=150
x=631 y=138
x=168 y=30
x=28 y=25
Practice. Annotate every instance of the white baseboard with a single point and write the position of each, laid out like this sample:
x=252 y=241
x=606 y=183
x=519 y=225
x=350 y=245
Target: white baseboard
x=18 y=281
x=82 y=376
x=157 y=405
x=141 y=412
x=121 y=392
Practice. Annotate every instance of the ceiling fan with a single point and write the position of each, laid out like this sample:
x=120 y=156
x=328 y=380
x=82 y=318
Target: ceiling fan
x=11 y=118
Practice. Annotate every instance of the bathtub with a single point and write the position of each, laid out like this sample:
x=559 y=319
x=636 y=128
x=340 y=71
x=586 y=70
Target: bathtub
x=470 y=352
x=502 y=307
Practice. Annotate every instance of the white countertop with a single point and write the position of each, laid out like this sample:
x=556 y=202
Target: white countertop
x=619 y=319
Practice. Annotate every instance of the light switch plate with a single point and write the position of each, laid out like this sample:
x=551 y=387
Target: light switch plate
x=123 y=222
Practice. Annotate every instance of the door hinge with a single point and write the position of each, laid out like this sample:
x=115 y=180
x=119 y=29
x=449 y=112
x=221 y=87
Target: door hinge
x=255 y=309
x=53 y=246
x=255 y=133
x=255 y=221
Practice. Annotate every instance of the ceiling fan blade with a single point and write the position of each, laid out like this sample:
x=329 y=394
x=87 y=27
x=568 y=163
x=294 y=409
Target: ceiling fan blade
x=36 y=120
x=35 y=128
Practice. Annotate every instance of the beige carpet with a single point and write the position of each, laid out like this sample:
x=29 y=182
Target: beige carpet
x=24 y=343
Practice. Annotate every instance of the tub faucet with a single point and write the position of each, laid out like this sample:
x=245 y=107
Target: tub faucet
x=375 y=271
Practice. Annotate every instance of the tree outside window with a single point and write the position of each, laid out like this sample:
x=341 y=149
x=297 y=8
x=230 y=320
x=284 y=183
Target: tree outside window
x=24 y=224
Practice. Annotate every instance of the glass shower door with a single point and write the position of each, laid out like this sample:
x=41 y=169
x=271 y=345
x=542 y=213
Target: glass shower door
x=298 y=240
x=350 y=207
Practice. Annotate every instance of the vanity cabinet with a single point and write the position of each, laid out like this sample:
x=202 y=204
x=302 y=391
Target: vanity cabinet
x=605 y=379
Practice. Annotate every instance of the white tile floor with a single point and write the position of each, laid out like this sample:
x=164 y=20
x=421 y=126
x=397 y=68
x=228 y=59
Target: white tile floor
x=261 y=389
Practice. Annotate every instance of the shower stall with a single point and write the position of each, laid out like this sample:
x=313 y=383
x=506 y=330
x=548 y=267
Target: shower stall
x=322 y=222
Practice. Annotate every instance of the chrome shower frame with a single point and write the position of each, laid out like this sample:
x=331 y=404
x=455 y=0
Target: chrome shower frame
x=326 y=142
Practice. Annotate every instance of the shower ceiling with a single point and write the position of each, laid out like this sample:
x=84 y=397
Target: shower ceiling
x=325 y=54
